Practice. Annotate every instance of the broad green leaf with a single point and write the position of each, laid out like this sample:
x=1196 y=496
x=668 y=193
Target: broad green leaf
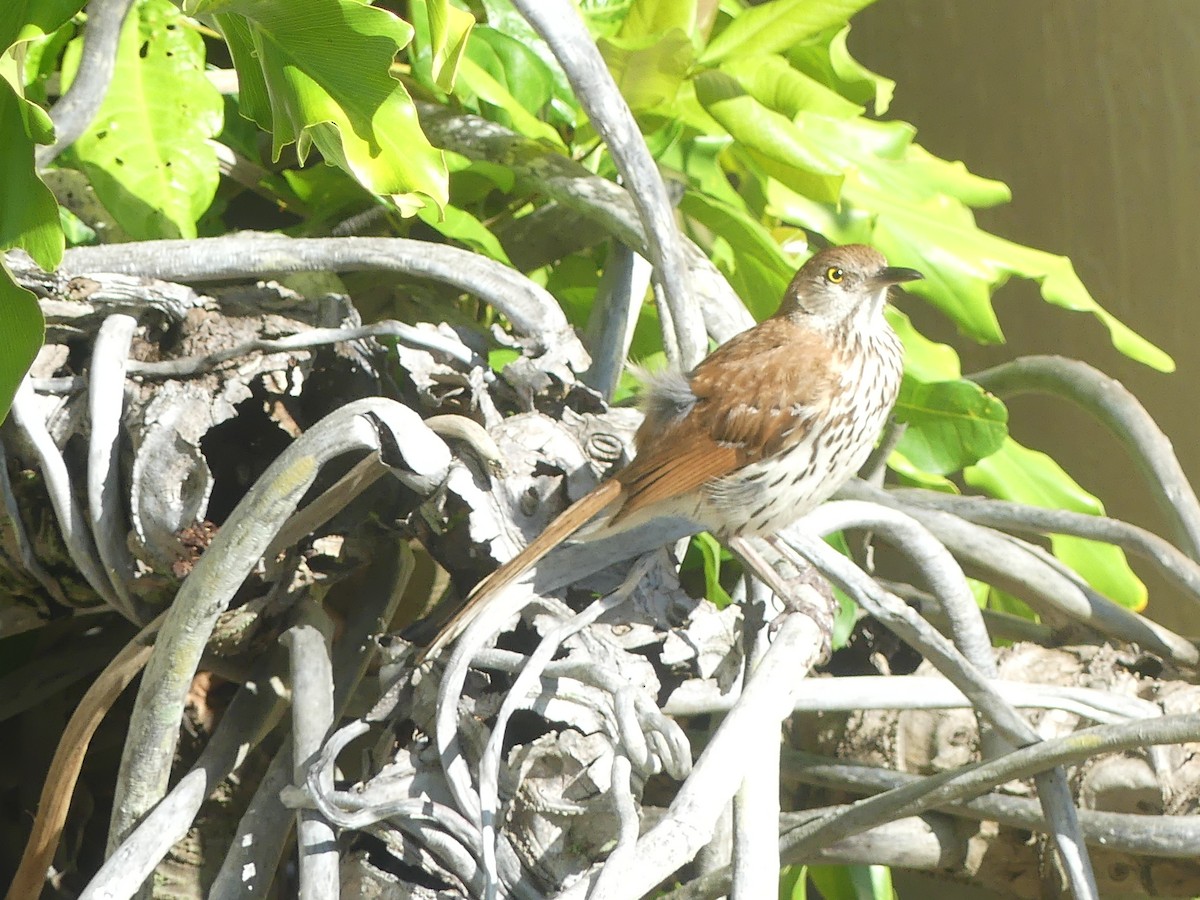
x=756 y=268
x=22 y=331
x=146 y=152
x=476 y=79
x=793 y=883
x=771 y=138
x=449 y=28
x=852 y=882
x=460 y=225
x=950 y=424
x=953 y=179
x=1027 y=476
x=503 y=18
x=827 y=59
x=698 y=156
x=516 y=68
x=777 y=25
x=329 y=195
x=911 y=476
x=968 y=261
x=649 y=71
x=924 y=360
x=29 y=213
x=652 y=18
x=772 y=81
x=27 y=20
x=911 y=206
x=319 y=72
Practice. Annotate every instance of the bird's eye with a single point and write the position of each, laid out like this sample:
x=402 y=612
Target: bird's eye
x=834 y=275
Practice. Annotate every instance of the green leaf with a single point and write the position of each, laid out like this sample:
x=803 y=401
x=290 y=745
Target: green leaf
x=449 y=28
x=27 y=20
x=650 y=70
x=146 y=152
x=951 y=424
x=755 y=266
x=911 y=476
x=827 y=59
x=651 y=18
x=924 y=360
x=911 y=206
x=699 y=158
x=793 y=883
x=476 y=80
x=968 y=260
x=460 y=225
x=777 y=25
x=22 y=331
x=771 y=138
x=1026 y=476
x=319 y=72
x=852 y=882
x=772 y=81
x=29 y=213
x=712 y=553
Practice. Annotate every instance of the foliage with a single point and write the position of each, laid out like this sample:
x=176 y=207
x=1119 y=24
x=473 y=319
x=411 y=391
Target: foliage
x=772 y=131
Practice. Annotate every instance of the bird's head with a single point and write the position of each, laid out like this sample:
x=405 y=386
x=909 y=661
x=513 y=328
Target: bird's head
x=840 y=284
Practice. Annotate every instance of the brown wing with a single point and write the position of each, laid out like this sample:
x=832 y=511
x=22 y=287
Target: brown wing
x=755 y=396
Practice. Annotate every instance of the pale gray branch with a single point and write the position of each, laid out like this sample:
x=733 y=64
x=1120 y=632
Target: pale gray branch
x=559 y=23
x=531 y=309
x=76 y=108
x=1120 y=412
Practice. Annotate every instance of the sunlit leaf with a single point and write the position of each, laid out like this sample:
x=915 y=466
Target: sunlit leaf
x=827 y=59
x=1027 y=476
x=924 y=360
x=318 y=72
x=949 y=424
x=772 y=81
x=22 y=330
x=778 y=24
x=514 y=66
x=449 y=28
x=29 y=213
x=651 y=18
x=477 y=80
x=913 y=207
x=146 y=151
x=460 y=225
x=771 y=137
x=649 y=70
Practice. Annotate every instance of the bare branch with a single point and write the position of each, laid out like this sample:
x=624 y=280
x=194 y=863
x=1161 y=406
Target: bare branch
x=1121 y=413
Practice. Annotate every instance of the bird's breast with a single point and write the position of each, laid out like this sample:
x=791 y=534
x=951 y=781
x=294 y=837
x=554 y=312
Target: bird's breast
x=830 y=445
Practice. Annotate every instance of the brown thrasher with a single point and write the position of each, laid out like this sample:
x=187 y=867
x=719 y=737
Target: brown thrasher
x=764 y=429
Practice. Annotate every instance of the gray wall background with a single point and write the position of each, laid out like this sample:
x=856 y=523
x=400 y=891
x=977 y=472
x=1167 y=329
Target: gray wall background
x=1090 y=111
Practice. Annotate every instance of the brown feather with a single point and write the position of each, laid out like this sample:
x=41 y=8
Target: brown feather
x=784 y=385
x=786 y=376
x=566 y=524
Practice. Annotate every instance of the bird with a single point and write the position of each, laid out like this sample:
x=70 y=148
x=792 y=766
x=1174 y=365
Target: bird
x=765 y=428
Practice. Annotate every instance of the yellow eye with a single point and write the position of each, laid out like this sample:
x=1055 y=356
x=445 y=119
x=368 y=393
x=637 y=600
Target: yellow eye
x=835 y=275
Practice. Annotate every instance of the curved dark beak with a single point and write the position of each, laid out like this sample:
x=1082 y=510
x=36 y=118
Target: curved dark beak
x=897 y=275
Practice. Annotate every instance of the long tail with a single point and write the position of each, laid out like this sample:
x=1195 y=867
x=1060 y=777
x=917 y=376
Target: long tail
x=568 y=522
